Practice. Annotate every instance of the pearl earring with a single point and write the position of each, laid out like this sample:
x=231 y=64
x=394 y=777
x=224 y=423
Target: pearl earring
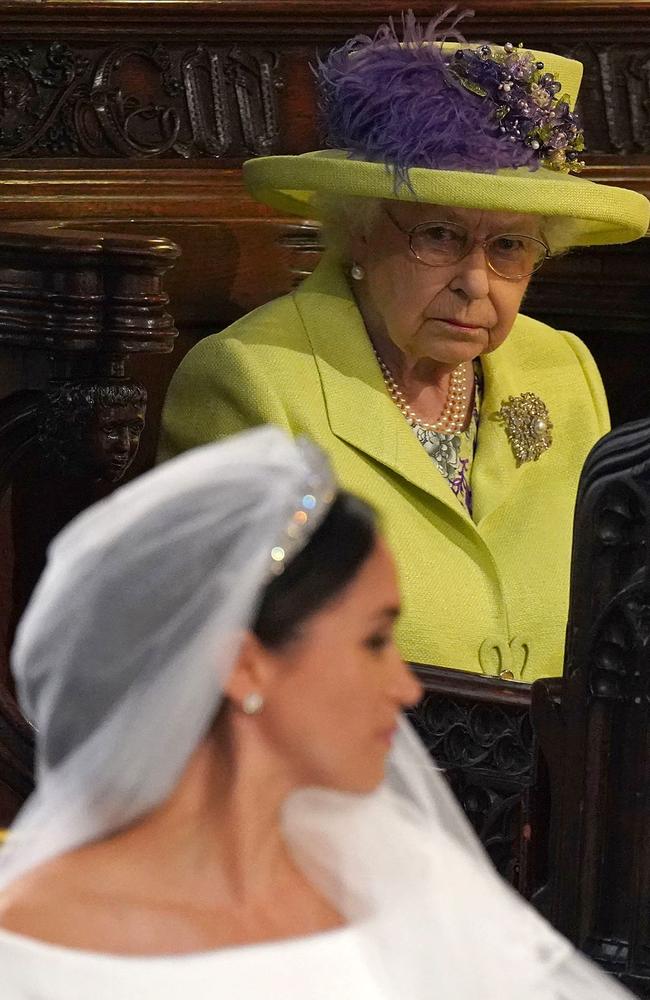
x=357 y=272
x=253 y=703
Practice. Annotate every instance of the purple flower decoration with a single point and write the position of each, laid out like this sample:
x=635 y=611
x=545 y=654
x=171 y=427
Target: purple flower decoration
x=408 y=104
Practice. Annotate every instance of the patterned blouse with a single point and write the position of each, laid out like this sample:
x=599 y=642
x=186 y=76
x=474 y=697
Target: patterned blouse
x=453 y=454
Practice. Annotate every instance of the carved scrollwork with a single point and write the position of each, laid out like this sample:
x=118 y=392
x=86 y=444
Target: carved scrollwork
x=138 y=100
x=621 y=628
x=206 y=88
x=486 y=753
x=615 y=102
x=620 y=645
x=619 y=517
x=496 y=815
x=34 y=88
x=134 y=124
x=613 y=654
x=255 y=85
x=477 y=735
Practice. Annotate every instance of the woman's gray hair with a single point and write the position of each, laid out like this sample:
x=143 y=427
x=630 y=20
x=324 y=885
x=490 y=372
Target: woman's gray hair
x=343 y=218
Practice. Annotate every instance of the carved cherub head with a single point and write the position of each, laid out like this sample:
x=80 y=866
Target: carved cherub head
x=94 y=428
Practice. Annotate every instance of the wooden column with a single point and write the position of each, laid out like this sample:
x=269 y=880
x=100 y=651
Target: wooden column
x=593 y=725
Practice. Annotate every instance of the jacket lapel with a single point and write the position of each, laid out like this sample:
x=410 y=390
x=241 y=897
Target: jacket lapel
x=494 y=470
x=359 y=409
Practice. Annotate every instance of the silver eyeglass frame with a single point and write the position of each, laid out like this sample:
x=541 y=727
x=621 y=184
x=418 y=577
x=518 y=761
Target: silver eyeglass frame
x=484 y=244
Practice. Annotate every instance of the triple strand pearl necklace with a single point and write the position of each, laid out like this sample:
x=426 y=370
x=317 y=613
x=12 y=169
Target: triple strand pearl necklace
x=452 y=418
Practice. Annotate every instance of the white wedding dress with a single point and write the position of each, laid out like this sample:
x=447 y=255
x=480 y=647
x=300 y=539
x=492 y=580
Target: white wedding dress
x=319 y=967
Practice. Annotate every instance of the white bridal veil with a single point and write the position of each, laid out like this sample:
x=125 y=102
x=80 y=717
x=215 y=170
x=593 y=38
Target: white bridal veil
x=120 y=662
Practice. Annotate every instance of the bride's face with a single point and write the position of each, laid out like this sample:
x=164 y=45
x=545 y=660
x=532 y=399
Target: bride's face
x=335 y=692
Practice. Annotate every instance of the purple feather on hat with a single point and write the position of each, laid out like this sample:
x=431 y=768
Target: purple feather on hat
x=400 y=103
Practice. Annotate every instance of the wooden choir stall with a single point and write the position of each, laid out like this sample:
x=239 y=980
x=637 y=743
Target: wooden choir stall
x=126 y=235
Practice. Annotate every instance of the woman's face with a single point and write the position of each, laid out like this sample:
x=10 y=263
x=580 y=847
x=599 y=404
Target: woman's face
x=334 y=693
x=449 y=314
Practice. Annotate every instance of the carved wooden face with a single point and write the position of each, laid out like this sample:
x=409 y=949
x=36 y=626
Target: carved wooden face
x=113 y=439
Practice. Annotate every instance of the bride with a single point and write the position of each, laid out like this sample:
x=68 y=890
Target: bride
x=210 y=666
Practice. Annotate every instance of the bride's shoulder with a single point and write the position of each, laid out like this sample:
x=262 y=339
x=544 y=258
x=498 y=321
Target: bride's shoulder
x=51 y=903
x=29 y=905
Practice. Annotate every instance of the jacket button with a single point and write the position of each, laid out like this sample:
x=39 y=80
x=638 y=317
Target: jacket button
x=507 y=660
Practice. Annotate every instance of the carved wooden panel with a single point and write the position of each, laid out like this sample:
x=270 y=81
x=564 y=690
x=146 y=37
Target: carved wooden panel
x=479 y=731
x=74 y=307
x=593 y=725
x=236 y=82
x=139 y=99
x=195 y=100
x=615 y=105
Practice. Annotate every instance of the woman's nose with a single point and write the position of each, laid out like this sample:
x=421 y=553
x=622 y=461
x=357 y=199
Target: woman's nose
x=472 y=277
x=405 y=688
x=122 y=442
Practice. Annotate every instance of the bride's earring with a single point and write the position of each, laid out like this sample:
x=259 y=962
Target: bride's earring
x=357 y=272
x=253 y=703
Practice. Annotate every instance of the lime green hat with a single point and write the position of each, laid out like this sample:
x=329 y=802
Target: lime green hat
x=481 y=127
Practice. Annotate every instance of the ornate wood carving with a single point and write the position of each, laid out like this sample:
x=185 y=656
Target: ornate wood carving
x=209 y=88
x=478 y=730
x=593 y=725
x=135 y=100
x=87 y=299
x=148 y=99
x=74 y=308
x=615 y=96
x=87 y=302
x=92 y=428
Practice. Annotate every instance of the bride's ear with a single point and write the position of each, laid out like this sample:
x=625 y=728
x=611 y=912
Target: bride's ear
x=251 y=671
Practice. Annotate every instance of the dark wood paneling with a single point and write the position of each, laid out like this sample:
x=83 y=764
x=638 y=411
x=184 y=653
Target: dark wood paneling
x=216 y=93
x=479 y=732
x=593 y=724
x=81 y=304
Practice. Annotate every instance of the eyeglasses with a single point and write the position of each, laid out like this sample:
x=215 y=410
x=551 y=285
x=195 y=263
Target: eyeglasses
x=440 y=244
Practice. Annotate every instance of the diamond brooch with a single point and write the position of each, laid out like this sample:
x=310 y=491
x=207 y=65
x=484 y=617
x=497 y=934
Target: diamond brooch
x=527 y=426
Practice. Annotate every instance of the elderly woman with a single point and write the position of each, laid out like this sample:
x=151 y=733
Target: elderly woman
x=405 y=356
x=210 y=664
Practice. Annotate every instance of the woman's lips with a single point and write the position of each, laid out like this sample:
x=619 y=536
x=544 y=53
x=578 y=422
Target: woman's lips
x=460 y=326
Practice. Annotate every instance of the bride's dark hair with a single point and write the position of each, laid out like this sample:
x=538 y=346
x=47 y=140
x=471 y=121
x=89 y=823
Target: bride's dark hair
x=331 y=559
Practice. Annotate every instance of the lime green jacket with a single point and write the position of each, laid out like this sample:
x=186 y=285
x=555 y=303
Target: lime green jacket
x=487 y=595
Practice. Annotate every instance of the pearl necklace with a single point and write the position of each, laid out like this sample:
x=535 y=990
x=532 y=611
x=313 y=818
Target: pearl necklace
x=452 y=418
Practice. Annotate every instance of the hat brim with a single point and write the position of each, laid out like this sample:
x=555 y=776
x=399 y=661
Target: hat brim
x=595 y=214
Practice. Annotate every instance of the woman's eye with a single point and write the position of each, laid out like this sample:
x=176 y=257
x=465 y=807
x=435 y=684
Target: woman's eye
x=440 y=236
x=508 y=245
